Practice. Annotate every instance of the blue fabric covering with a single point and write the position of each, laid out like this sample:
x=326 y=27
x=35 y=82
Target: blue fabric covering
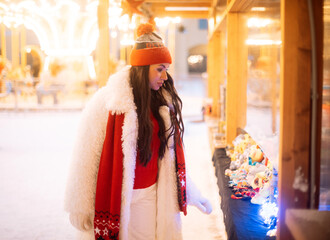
x=241 y=217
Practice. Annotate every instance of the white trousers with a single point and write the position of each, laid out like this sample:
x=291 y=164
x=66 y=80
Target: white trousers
x=142 y=224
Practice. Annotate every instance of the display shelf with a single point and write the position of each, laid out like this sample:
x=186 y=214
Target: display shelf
x=241 y=217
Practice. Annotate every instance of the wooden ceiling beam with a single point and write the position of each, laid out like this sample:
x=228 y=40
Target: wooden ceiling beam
x=179 y=4
x=182 y=14
x=178 y=1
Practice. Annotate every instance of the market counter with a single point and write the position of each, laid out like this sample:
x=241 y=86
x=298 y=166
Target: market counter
x=241 y=217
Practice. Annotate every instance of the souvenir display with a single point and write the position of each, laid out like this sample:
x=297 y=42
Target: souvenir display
x=253 y=177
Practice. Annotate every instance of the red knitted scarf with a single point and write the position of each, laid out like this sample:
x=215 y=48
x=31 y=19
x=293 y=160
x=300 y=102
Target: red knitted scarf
x=109 y=181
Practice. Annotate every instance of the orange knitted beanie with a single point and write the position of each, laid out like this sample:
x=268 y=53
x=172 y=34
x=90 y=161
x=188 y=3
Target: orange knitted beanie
x=149 y=47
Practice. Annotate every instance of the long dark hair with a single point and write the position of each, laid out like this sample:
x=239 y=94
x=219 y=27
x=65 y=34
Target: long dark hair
x=147 y=100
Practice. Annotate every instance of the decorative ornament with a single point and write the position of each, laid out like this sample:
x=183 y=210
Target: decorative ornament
x=130 y=7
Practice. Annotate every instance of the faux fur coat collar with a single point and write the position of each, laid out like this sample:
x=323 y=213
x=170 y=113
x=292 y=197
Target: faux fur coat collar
x=117 y=97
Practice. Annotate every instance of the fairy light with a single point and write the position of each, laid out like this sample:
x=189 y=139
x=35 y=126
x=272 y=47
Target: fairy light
x=59 y=38
x=269 y=212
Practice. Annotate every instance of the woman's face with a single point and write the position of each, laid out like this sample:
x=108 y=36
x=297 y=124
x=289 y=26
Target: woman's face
x=157 y=75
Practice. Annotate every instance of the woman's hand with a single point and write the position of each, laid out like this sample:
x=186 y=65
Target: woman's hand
x=82 y=222
x=204 y=205
x=195 y=198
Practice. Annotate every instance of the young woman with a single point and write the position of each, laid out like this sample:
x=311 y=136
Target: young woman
x=128 y=178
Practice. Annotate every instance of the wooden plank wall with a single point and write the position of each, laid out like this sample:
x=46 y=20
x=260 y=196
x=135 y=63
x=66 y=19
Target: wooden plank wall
x=295 y=108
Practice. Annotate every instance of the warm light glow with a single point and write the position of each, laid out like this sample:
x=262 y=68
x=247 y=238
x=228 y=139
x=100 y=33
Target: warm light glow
x=186 y=9
x=258 y=9
x=67 y=52
x=193 y=59
x=255 y=22
x=55 y=25
x=115 y=11
x=28 y=50
x=91 y=68
x=63 y=28
x=92 y=6
x=127 y=40
x=211 y=24
x=65 y=3
x=177 y=20
x=4 y=6
x=163 y=22
x=46 y=64
x=261 y=42
x=113 y=34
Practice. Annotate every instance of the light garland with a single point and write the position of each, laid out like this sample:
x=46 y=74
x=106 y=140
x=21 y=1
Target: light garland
x=269 y=212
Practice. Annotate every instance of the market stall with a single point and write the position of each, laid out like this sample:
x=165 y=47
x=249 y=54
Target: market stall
x=241 y=217
x=247 y=182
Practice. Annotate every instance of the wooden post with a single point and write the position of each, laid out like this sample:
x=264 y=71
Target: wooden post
x=210 y=68
x=14 y=47
x=23 y=50
x=273 y=79
x=123 y=53
x=236 y=98
x=103 y=48
x=215 y=67
x=319 y=29
x=128 y=50
x=295 y=110
x=3 y=41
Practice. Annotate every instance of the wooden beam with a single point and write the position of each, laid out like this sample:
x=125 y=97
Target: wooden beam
x=241 y=5
x=181 y=4
x=236 y=101
x=157 y=9
x=3 y=41
x=23 y=43
x=14 y=47
x=295 y=110
x=182 y=14
x=215 y=69
x=210 y=67
x=233 y=6
x=178 y=1
x=319 y=33
x=103 y=47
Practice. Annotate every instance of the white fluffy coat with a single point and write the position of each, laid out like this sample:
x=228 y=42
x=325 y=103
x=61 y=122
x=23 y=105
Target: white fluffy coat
x=117 y=97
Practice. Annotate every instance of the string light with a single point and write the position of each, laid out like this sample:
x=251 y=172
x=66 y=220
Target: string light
x=269 y=212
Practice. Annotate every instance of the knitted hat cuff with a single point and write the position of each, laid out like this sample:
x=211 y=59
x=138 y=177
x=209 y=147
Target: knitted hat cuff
x=149 y=56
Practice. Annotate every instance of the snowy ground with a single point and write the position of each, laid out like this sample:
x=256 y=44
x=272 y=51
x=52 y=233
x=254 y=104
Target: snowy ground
x=35 y=149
